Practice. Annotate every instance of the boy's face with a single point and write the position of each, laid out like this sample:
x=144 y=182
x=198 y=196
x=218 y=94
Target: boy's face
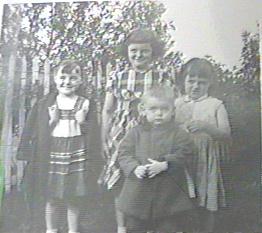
x=157 y=111
x=196 y=86
x=140 y=55
x=68 y=84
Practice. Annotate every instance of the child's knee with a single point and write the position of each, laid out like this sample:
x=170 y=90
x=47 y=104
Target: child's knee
x=53 y=204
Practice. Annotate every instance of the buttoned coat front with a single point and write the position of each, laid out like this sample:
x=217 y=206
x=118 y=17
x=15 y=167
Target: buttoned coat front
x=166 y=194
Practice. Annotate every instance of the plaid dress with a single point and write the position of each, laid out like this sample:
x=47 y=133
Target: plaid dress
x=127 y=87
x=67 y=162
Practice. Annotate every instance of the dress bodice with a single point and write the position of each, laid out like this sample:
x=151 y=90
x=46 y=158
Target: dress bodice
x=67 y=125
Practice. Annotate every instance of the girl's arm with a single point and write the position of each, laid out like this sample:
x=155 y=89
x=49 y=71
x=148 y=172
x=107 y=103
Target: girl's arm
x=81 y=116
x=108 y=110
x=223 y=123
x=126 y=154
x=219 y=132
x=182 y=151
x=222 y=131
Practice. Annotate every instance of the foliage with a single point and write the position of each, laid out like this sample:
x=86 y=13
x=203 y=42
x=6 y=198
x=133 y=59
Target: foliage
x=90 y=31
x=86 y=30
x=240 y=90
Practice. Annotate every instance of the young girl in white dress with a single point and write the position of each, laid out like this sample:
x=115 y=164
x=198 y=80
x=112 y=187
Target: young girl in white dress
x=206 y=120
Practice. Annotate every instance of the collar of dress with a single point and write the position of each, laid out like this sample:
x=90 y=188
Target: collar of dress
x=166 y=126
x=188 y=99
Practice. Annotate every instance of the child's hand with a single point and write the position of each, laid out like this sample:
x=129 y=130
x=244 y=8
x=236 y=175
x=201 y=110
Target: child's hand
x=140 y=172
x=53 y=114
x=155 y=167
x=80 y=115
x=194 y=126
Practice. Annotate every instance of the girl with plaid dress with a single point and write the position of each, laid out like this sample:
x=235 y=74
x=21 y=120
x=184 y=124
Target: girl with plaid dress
x=120 y=112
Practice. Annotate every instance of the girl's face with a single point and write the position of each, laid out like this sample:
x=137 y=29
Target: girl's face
x=68 y=84
x=196 y=87
x=158 y=112
x=140 y=55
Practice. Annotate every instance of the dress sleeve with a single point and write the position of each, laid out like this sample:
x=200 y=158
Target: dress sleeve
x=27 y=143
x=85 y=126
x=126 y=156
x=85 y=105
x=182 y=151
x=223 y=146
x=222 y=119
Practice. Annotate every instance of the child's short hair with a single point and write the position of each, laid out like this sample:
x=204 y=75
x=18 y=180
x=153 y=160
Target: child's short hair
x=67 y=66
x=196 y=67
x=141 y=36
x=163 y=93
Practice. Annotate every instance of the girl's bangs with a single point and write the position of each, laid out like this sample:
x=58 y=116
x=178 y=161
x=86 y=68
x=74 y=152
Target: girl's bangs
x=68 y=68
x=199 y=70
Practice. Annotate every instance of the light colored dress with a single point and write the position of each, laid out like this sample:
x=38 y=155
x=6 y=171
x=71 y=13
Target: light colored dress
x=68 y=157
x=209 y=180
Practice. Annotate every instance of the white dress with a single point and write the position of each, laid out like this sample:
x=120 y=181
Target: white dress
x=209 y=180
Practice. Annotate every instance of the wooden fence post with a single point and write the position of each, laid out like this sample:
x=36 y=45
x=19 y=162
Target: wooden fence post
x=22 y=114
x=108 y=70
x=35 y=80
x=7 y=134
x=99 y=76
x=46 y=76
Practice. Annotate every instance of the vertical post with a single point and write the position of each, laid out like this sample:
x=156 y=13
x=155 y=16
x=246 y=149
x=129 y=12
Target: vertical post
x=7 y=135
x=99 y=78
x=1 y=17
x=46 y=76
x=35 y=71
x=108 y=70
x=99 y=75
x=35 y=80
x=260 y=52
x=90 y=71
x=94 y=73
x=22 y=113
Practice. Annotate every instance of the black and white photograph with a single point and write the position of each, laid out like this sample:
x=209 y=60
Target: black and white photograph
x=130 y=116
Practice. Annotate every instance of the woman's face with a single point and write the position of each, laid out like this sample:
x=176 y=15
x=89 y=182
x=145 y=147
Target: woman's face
x=196 y=86
x=140 y=55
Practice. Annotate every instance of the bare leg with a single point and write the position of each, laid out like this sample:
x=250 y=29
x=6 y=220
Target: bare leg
x=51 y=216
x=120 y=219
x=73 y=213
x=210 y=221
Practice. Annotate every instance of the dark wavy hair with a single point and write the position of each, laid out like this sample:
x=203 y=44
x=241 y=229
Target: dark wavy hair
x=141 y=36
x=68 y=66
x=196 y=67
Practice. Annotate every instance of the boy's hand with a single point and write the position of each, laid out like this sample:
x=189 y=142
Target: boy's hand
x=155 y=167
x=140 y=172
x=53 y=114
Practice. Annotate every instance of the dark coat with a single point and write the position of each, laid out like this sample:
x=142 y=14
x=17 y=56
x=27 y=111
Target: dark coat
x=35 y=148
x=166 y=193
